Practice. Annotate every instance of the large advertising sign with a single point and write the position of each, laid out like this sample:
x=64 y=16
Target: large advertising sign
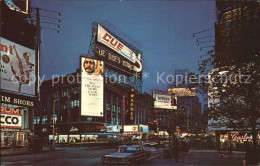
x=109 y=40
x=92 y=87
x=132 y=105
x=182 y=91
x=135 y=128
x=10 y=117
x=130 y=128
x=164 y=101
x=17 y=67
x=116 y=53
x=21 y=6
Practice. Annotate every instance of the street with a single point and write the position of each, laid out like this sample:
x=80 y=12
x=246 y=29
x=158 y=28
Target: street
x=92 y=156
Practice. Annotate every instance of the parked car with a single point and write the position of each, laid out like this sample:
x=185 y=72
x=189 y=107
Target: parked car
x=127 y=155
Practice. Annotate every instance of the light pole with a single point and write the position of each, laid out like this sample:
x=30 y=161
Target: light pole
x=53 y=121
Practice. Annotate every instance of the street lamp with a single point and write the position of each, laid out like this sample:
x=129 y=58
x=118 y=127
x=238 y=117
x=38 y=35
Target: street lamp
x=53 y=121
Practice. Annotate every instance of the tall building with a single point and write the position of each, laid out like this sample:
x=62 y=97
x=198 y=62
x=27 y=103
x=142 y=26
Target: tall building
x=237 y=32
x=237 y=41
x=189 y=106
x=100 y=98
x=18 y=67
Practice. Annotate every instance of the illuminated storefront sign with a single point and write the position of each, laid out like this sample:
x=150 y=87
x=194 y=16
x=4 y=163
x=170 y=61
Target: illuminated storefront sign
x=9 y=99
x=92 y=87
x=242 y=136
x=17 y=69
x=135 y=128
x=10 y=117
x=132 y=105
x=130 y=128
x=182 y=91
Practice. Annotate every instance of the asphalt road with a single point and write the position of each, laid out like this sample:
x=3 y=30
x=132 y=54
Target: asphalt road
x=68 y=156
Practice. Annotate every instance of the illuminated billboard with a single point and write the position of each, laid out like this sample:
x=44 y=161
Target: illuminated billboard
x=110 y=41
x=111 y=50
x=21 y=6
x=10 y=117
x=130 y=128
x=17 y=69
x=92 y=87
x=164 y=100
x=182 y=91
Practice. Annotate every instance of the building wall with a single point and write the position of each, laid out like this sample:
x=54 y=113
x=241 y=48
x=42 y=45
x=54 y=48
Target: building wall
x=15 y=28
x=237 y=32
x=67 y=106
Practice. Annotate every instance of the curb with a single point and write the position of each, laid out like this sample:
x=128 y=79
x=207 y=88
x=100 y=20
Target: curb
x=26 y=153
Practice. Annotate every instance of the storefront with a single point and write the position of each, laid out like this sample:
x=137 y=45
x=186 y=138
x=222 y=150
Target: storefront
x=78 y=132
x=135 y=132
x=236 y=139
x=16 y=120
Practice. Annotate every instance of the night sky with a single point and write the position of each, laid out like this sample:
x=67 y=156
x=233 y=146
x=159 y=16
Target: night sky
x=163 y=28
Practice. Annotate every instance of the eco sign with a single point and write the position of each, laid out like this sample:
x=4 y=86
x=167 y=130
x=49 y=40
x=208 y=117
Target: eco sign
x=10 y=118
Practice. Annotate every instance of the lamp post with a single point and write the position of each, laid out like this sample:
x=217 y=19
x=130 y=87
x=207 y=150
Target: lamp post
x=53 y=120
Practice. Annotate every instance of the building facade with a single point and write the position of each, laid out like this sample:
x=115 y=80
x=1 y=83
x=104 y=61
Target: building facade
x=236 y=38
x=102 y=96
x=18 y=95
x=70 y=125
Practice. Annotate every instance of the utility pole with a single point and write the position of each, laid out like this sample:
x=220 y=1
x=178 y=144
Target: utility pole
x=38 y=43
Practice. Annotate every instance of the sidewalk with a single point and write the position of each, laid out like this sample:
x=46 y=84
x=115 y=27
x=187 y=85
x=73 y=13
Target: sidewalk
x=21 y=151
x=202 y=157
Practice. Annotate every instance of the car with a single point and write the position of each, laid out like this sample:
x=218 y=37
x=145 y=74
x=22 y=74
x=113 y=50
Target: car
x=127 y=155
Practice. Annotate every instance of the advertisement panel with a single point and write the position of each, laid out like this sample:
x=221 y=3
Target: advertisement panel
x=17 y=67
x=165 y=101
x=10 y=117
x=21 y=6
x=143 y=128
x=110 y=41
x=130 y=128
x=182 y=91
x=132 y=105
x=92 y=87
x=116 y=60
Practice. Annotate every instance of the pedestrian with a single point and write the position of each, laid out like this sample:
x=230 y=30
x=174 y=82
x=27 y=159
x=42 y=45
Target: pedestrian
x=13 y=144
x=176 y=149
x=6 y=141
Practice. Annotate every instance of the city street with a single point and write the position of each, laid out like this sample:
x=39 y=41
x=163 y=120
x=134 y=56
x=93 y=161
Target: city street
x=130 y=82
x=92 y=156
